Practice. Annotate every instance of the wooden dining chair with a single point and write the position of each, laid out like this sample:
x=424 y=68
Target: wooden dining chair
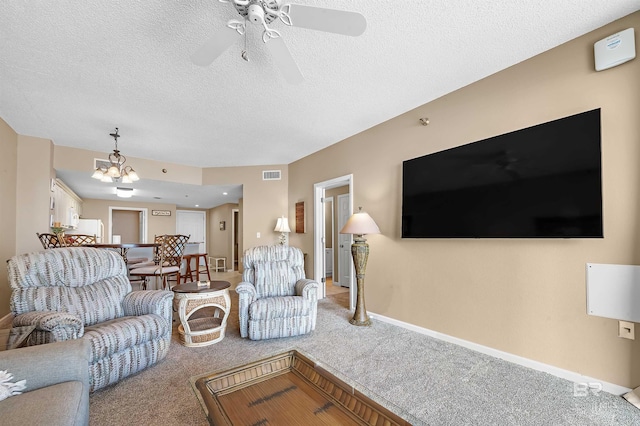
x=76 y=240
x=49 y=241
x=167 y=260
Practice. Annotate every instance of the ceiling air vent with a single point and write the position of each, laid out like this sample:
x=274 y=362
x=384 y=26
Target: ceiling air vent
x=271 y=175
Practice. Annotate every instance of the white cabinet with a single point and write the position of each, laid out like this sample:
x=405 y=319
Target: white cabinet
x=67 y=205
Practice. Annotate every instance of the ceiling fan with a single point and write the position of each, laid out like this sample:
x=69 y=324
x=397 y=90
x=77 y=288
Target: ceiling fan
x=262 y=13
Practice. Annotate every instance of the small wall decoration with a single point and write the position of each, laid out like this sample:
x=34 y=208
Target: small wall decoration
x=223 y=225
x=300 y=217
x=160 y=212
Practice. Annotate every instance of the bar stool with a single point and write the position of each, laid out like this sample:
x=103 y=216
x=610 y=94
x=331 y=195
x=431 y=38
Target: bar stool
x=218 y=263
x=189 y=271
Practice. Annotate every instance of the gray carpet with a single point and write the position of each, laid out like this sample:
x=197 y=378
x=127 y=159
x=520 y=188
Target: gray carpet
x=424 y=380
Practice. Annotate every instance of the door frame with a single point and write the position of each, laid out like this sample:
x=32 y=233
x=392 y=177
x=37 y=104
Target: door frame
x=318 y=225
x=233 y=240
x=348 y=238
x=144 y=225
x=331 y=232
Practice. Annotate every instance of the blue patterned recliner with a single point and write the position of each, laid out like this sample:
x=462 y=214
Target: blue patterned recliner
x=84 y=293
x=275 y=299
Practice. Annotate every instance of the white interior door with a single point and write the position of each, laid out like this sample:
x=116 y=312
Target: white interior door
x=193 y=223
x=344 y=243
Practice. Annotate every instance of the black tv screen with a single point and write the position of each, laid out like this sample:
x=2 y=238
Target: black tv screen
x=540 y=182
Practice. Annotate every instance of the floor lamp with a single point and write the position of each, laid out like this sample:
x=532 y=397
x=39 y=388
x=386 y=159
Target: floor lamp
x=359 y=224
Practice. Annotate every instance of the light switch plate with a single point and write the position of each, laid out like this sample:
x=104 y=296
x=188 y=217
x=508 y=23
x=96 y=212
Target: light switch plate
x=626 y=330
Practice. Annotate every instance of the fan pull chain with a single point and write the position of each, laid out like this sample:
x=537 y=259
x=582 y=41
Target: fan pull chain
x=244 y=53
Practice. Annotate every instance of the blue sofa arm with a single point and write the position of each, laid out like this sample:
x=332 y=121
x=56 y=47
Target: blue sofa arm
x=50 y=364
x=57 y=384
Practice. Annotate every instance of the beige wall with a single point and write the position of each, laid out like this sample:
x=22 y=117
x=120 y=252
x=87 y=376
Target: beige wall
x=156 y=225
x=263 y=201
x=126 y=223
x=8 y=185
x=219 y=240
x=33 y=191
x=66 y=158
x=523 y=296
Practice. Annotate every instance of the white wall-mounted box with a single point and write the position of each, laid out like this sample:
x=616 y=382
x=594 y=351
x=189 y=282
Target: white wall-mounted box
x=613 y=291
x=614 y=50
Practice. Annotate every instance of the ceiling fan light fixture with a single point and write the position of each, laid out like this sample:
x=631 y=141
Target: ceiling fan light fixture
x=255 y=13
x=264 y=12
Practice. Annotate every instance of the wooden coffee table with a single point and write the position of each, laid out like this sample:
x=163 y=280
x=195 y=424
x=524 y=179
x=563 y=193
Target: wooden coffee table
x=287 y=389
x=191 y=298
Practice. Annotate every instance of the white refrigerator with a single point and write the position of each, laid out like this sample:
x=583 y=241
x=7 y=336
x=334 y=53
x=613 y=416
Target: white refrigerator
x=89 y=227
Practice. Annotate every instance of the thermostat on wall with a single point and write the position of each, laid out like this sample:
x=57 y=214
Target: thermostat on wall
x=615 y=49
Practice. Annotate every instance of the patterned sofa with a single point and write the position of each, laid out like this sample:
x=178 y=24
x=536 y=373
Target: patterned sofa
x=84 y=293
x=275 y=299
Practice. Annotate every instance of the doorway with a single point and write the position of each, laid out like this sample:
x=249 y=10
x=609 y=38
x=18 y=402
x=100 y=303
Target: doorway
x=128 y=224
x=320 y=241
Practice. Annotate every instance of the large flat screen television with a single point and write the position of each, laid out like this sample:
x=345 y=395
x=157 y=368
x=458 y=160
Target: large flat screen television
x=540 y=182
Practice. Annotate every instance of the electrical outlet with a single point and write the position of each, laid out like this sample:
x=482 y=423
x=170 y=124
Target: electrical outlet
x=257 y=235
x=626 y=330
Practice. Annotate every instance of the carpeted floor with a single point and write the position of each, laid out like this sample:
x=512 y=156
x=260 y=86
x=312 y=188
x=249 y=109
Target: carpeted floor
x=424 y=380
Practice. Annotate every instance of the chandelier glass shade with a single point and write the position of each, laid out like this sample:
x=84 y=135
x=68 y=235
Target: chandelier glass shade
x=116 y=170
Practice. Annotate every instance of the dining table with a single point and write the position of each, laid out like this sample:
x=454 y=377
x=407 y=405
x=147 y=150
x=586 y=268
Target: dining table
x=123 y=248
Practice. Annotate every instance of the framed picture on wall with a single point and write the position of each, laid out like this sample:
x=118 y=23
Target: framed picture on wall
x=223 y=225
x=300 y=217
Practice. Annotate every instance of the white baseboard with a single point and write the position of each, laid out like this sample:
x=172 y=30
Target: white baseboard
x=516 y=359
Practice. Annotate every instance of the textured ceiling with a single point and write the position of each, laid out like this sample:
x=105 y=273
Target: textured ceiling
x=73 y=71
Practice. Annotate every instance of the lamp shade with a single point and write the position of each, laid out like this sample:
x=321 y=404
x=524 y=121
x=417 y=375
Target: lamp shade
x=282 y=225
x=360 y=223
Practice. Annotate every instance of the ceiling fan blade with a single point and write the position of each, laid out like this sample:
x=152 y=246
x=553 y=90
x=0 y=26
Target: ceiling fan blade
x=214 y=47
x=328 y=20
x=284 y=60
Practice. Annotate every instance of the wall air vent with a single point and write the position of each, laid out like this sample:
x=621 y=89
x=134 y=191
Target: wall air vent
x=271 y=175
x=99 y=163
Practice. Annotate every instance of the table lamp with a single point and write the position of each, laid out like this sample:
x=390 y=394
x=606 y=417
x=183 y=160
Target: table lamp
x=282 y=226
x=359 y=224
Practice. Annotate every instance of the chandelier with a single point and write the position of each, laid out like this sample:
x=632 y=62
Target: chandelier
x=116 y=170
